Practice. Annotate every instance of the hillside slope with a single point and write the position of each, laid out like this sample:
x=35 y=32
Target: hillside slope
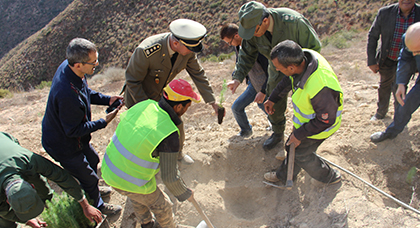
x=19 y=19
x=117 y=27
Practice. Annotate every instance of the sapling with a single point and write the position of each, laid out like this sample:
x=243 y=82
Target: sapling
x=221 y=109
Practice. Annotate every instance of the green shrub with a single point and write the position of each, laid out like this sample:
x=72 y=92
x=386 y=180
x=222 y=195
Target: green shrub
x=340 y=39
x=5 y=93
x=64 y=211
x=44 y=84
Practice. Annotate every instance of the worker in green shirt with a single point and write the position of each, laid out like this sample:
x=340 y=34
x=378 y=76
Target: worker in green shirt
x=261 y=29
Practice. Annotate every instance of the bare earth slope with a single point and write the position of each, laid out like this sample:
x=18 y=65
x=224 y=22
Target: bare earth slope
x=228 y=171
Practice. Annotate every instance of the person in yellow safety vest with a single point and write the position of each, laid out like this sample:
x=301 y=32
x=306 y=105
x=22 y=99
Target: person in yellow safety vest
x=146 y=140
x=317 y=107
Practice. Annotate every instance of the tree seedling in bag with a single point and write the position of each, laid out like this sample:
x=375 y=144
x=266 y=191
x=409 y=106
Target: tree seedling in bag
x=221 y=109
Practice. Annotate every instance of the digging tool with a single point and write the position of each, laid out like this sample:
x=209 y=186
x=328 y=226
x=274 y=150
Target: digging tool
x=204 y=216
x=290 y=167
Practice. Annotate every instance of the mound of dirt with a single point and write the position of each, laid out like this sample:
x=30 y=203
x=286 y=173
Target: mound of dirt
x=228 y=171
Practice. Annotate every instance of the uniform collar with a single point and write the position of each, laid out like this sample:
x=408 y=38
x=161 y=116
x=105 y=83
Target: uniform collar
x=271 y=25
x=170 y=51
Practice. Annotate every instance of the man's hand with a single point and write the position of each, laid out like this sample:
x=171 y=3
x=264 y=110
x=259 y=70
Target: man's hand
x=259 y=98
x=268 y=105
x=374 y=68
x=36 y=223
x=293 y=139
x=110 y=116
x=114 y=98
x=233 y=85
x=90 y=212
x=216 y=107
x=400 y=94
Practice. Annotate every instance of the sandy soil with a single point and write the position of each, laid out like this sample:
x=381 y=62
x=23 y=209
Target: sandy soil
x=228 y=171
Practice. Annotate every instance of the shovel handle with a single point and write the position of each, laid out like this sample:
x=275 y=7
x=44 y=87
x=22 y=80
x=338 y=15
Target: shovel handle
x=290 y=166
x=201 y=212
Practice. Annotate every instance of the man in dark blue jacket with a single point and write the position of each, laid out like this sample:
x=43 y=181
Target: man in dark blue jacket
x=67 y=123
x=390 y=24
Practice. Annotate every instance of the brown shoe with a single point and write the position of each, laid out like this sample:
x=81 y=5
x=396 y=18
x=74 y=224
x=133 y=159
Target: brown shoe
x=271 y=176
x=105 y=191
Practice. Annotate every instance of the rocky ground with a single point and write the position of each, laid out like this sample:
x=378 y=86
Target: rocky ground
x=228 y=171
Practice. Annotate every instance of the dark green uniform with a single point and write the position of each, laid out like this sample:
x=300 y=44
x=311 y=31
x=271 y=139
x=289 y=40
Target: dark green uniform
x=20 y=163
x=288 y=25
x=150 y=70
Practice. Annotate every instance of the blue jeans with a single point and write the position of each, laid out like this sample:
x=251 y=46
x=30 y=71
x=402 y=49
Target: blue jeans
x=403 y=113
x=238 y=107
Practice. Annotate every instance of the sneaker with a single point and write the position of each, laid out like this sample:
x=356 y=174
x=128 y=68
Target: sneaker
x=186 y=160
x=376 y=117
x=380 y=136
x=271 y=142
x=110 y=209
x=245 y=134
x=105 y=191
x=336 y=179
x=271 y=176
x=281 y=155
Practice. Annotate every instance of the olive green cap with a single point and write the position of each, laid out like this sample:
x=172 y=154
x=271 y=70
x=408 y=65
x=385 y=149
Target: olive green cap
x=190 y=33
x=250 y=16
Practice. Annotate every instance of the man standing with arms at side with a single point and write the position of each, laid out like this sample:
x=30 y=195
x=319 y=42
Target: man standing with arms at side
x=408 y=64
x=390 y=24
x=261 y=29
x=317 y=107
x=24 y=188
x=67 y=122
x=146 y=140
x=159 y=58
x=256 y=80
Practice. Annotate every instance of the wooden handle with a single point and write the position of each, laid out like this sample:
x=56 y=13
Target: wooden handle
x=201 y=212
x=290 y=166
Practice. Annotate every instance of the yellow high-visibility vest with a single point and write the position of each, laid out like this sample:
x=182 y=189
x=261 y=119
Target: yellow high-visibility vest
x=128 y=163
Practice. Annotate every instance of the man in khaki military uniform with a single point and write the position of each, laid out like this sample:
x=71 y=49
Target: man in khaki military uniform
x=261 y=29
x=159 y=58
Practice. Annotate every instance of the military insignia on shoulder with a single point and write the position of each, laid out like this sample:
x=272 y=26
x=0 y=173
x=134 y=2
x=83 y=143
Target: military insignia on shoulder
x=288 y=17
x=152 y=50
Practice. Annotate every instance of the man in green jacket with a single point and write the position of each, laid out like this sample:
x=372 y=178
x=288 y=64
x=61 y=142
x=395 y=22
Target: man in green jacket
x=147 y=140
x=157 y=61
x=24 y=187
x=261 y=29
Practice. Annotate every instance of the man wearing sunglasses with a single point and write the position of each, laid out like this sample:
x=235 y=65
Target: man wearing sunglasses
x=157 y=61
x=261 y=29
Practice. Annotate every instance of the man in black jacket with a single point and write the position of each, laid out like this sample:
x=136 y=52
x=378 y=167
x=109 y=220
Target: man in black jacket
x=390 y=24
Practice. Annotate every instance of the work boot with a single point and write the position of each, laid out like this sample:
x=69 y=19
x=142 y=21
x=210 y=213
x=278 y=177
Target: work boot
x=380 y=136
x=186 y=159
x=271 y=142
x=105 y=191
x=271 y=176
x=110 y=209
x=376 y=117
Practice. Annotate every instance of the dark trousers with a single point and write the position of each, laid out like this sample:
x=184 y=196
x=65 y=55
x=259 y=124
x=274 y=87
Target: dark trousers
x=306 y=159
x=83 y=165
x=277 y=119
x=387 y=85
x=403 y=113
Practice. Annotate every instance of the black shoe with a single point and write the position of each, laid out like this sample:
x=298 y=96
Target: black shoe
x=377 y=117
x=380 y=136
x=151 y=224
x=336 y=179
x=245 y=134
x=271 y=142
x=110 y=209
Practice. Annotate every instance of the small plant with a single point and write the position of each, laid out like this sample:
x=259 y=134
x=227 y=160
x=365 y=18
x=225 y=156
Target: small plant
x=221 y=109
x=43 y=84
x=5 y=93
x=64 y=211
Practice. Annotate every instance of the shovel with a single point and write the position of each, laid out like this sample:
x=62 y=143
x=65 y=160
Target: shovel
x=202 y=224
x=290 y=166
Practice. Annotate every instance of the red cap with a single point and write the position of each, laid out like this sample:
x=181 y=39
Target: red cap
x=180 y=90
